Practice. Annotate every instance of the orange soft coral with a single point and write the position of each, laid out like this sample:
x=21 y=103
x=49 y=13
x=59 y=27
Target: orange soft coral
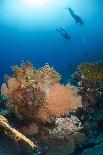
x=25 y=102
x=27 y=75
x=11 y=85
x=61 y=100
x=37 y=94
x=47 y=76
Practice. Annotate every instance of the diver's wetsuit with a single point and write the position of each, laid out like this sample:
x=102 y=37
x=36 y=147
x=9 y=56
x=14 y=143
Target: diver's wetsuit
x=78 y=19
x=65 y=35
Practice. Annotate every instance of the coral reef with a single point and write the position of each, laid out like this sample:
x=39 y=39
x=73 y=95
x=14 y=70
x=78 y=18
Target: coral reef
x=37 y=98
x=67 y=131
x=92 y=71
x=89 y=79
x=37 y=94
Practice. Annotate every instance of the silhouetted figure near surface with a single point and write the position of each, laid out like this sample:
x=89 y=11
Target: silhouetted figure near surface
x=78 y=19
x=65 y=34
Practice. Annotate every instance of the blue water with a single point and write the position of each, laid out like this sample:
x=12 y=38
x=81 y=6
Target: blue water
x=29 y=33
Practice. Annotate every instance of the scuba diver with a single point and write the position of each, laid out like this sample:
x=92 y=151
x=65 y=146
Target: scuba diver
x=65 y=34
x=78 y=19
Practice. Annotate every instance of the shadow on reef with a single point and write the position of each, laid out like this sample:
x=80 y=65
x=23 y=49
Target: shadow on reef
x=59 y=119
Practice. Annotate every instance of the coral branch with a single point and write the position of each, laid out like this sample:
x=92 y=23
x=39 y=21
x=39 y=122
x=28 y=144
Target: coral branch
x=11 y=132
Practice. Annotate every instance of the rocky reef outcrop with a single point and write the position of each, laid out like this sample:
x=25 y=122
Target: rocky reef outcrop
x=60 y=116
x=36 y=94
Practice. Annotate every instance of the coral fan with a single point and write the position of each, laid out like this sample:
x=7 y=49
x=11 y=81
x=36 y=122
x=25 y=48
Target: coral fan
x=61 y=100
x=37 y=94
x=43 y=107
x=11 y=85
x=25 y=102
x=37 y=99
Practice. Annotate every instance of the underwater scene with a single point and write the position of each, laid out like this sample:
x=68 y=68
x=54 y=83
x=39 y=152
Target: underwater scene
x=51 y=77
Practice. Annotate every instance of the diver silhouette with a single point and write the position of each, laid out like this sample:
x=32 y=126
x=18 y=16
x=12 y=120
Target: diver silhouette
x=65 y=34
x=77 y=19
